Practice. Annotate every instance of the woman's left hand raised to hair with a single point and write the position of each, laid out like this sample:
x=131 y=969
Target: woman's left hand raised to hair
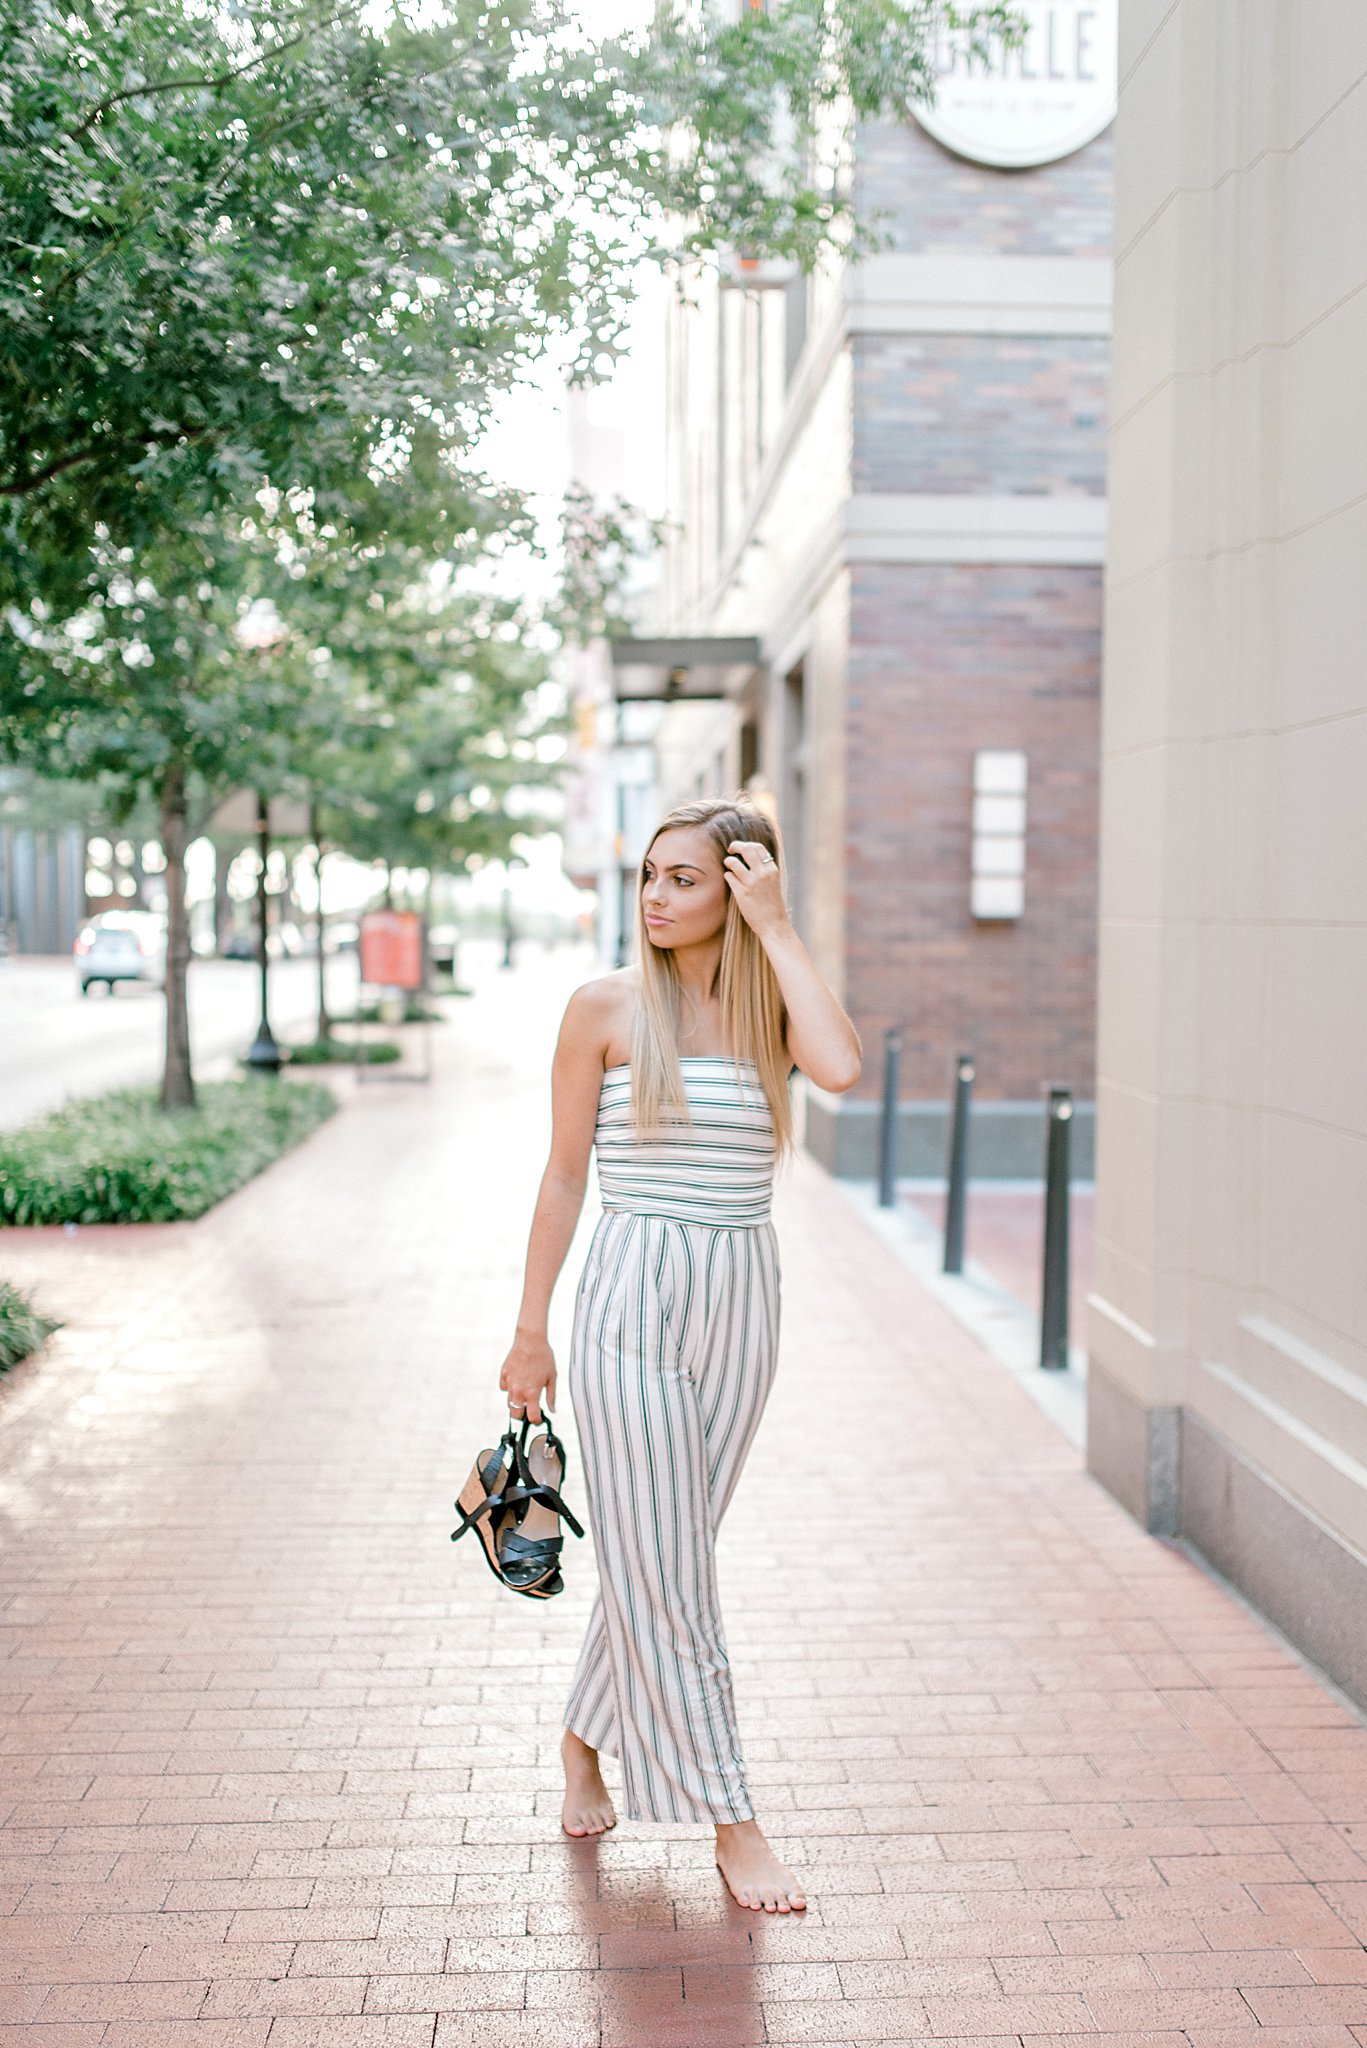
x=753 y=877
x=820 y=1038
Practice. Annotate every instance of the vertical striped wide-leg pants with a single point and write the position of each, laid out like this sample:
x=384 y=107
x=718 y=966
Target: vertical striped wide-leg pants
x=673 y=1355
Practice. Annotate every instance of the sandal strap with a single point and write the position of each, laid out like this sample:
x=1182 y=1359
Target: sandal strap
x=523 y=1550
x=492 y=1504
x=548 y=1497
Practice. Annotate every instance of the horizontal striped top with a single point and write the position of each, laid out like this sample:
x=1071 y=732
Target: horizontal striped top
x=717 y=1170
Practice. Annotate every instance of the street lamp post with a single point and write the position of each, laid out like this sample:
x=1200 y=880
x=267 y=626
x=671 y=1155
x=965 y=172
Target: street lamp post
x=264 y=1055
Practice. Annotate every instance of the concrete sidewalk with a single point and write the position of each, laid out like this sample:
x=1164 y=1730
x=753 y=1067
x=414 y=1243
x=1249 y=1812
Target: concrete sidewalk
x=280 y=1764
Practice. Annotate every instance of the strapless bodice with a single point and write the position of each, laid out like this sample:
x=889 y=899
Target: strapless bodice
x=716 y=1170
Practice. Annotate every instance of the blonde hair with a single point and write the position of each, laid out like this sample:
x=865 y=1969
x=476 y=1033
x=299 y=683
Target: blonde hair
x=752 y=1006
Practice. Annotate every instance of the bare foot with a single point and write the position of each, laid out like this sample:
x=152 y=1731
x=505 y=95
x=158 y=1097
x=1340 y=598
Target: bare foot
x=753 y=1873
x=588 y=1807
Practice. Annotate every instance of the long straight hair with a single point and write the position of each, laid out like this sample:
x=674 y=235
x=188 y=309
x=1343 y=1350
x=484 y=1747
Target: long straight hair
x=752 y=1006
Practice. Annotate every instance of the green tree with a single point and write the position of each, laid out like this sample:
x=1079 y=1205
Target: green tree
x=160 y=685
x=434 y=777
x=430 y=784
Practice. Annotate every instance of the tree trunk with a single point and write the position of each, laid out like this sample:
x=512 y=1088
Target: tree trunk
x=177 y=1081
x=324 y=1021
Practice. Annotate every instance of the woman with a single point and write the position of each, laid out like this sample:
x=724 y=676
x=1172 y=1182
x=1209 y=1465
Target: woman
x=677 y=1069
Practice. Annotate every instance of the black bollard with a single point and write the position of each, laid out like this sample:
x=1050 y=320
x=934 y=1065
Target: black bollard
x=1053 y=1337
x=887 y=1136
x=957 y=1189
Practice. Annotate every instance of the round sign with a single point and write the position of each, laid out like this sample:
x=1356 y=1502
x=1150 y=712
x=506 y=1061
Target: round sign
x=1032 y=104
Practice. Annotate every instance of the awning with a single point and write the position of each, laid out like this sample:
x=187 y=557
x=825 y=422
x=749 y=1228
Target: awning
x=680 y=667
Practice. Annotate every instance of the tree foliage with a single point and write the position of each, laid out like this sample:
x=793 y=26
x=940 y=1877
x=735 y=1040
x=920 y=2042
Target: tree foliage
x=294 y=242
x=435 y=783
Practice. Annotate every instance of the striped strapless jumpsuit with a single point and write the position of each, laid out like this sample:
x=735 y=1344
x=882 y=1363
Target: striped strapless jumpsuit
x=672 y=1358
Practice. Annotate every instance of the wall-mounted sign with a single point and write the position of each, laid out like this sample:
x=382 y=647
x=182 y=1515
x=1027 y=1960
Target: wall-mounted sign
x=1033 y=104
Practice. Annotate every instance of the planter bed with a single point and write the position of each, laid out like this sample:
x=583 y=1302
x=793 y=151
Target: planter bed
x=119 y=1158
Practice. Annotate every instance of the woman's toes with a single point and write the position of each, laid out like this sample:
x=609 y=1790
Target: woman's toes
x=586 y=1824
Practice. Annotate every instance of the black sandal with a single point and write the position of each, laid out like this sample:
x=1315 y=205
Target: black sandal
x=528 y=1543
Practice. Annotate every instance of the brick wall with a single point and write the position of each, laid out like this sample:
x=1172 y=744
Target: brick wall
x=930 y=202
x=946 y=658
x=968 y=412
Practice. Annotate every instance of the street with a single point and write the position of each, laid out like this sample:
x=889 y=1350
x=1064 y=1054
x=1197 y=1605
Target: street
x=281 y=1764
x=57 y=1043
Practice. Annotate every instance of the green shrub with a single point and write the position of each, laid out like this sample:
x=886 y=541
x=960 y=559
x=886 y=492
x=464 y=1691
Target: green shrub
x=319 y=1052
x=22 y=1329
x=119 y=1158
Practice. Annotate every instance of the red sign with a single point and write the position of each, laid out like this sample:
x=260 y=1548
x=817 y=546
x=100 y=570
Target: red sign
x=391 y=949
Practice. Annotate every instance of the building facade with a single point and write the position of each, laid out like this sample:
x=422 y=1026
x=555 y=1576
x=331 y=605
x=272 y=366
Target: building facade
x=42 y=888
x=893 y=475
x=1228 y=1324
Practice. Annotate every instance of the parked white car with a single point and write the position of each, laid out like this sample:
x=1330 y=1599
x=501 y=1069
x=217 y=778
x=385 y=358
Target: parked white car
x=120 y=945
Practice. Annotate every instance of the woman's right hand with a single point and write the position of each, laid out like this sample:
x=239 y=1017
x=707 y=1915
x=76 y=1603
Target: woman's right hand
x=528 y=1375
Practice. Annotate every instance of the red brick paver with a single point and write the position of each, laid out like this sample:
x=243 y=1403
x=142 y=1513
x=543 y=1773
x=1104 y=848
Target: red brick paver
x=280 y=1765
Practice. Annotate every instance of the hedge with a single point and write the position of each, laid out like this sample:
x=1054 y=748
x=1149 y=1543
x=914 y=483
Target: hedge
x=119 y=1158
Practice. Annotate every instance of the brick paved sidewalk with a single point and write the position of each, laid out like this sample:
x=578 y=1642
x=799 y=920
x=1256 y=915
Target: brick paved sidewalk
x=280 y=1765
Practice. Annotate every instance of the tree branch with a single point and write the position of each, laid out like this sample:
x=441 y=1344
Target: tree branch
x=202 y=81
x=21 y=486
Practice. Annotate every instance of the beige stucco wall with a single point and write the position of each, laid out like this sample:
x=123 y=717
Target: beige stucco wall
x=1231 y=1265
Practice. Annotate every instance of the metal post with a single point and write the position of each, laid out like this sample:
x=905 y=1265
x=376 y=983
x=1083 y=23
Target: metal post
x=957 y=1188
x=887 y=1136
x=264 y=1053
x=1053 y=1343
